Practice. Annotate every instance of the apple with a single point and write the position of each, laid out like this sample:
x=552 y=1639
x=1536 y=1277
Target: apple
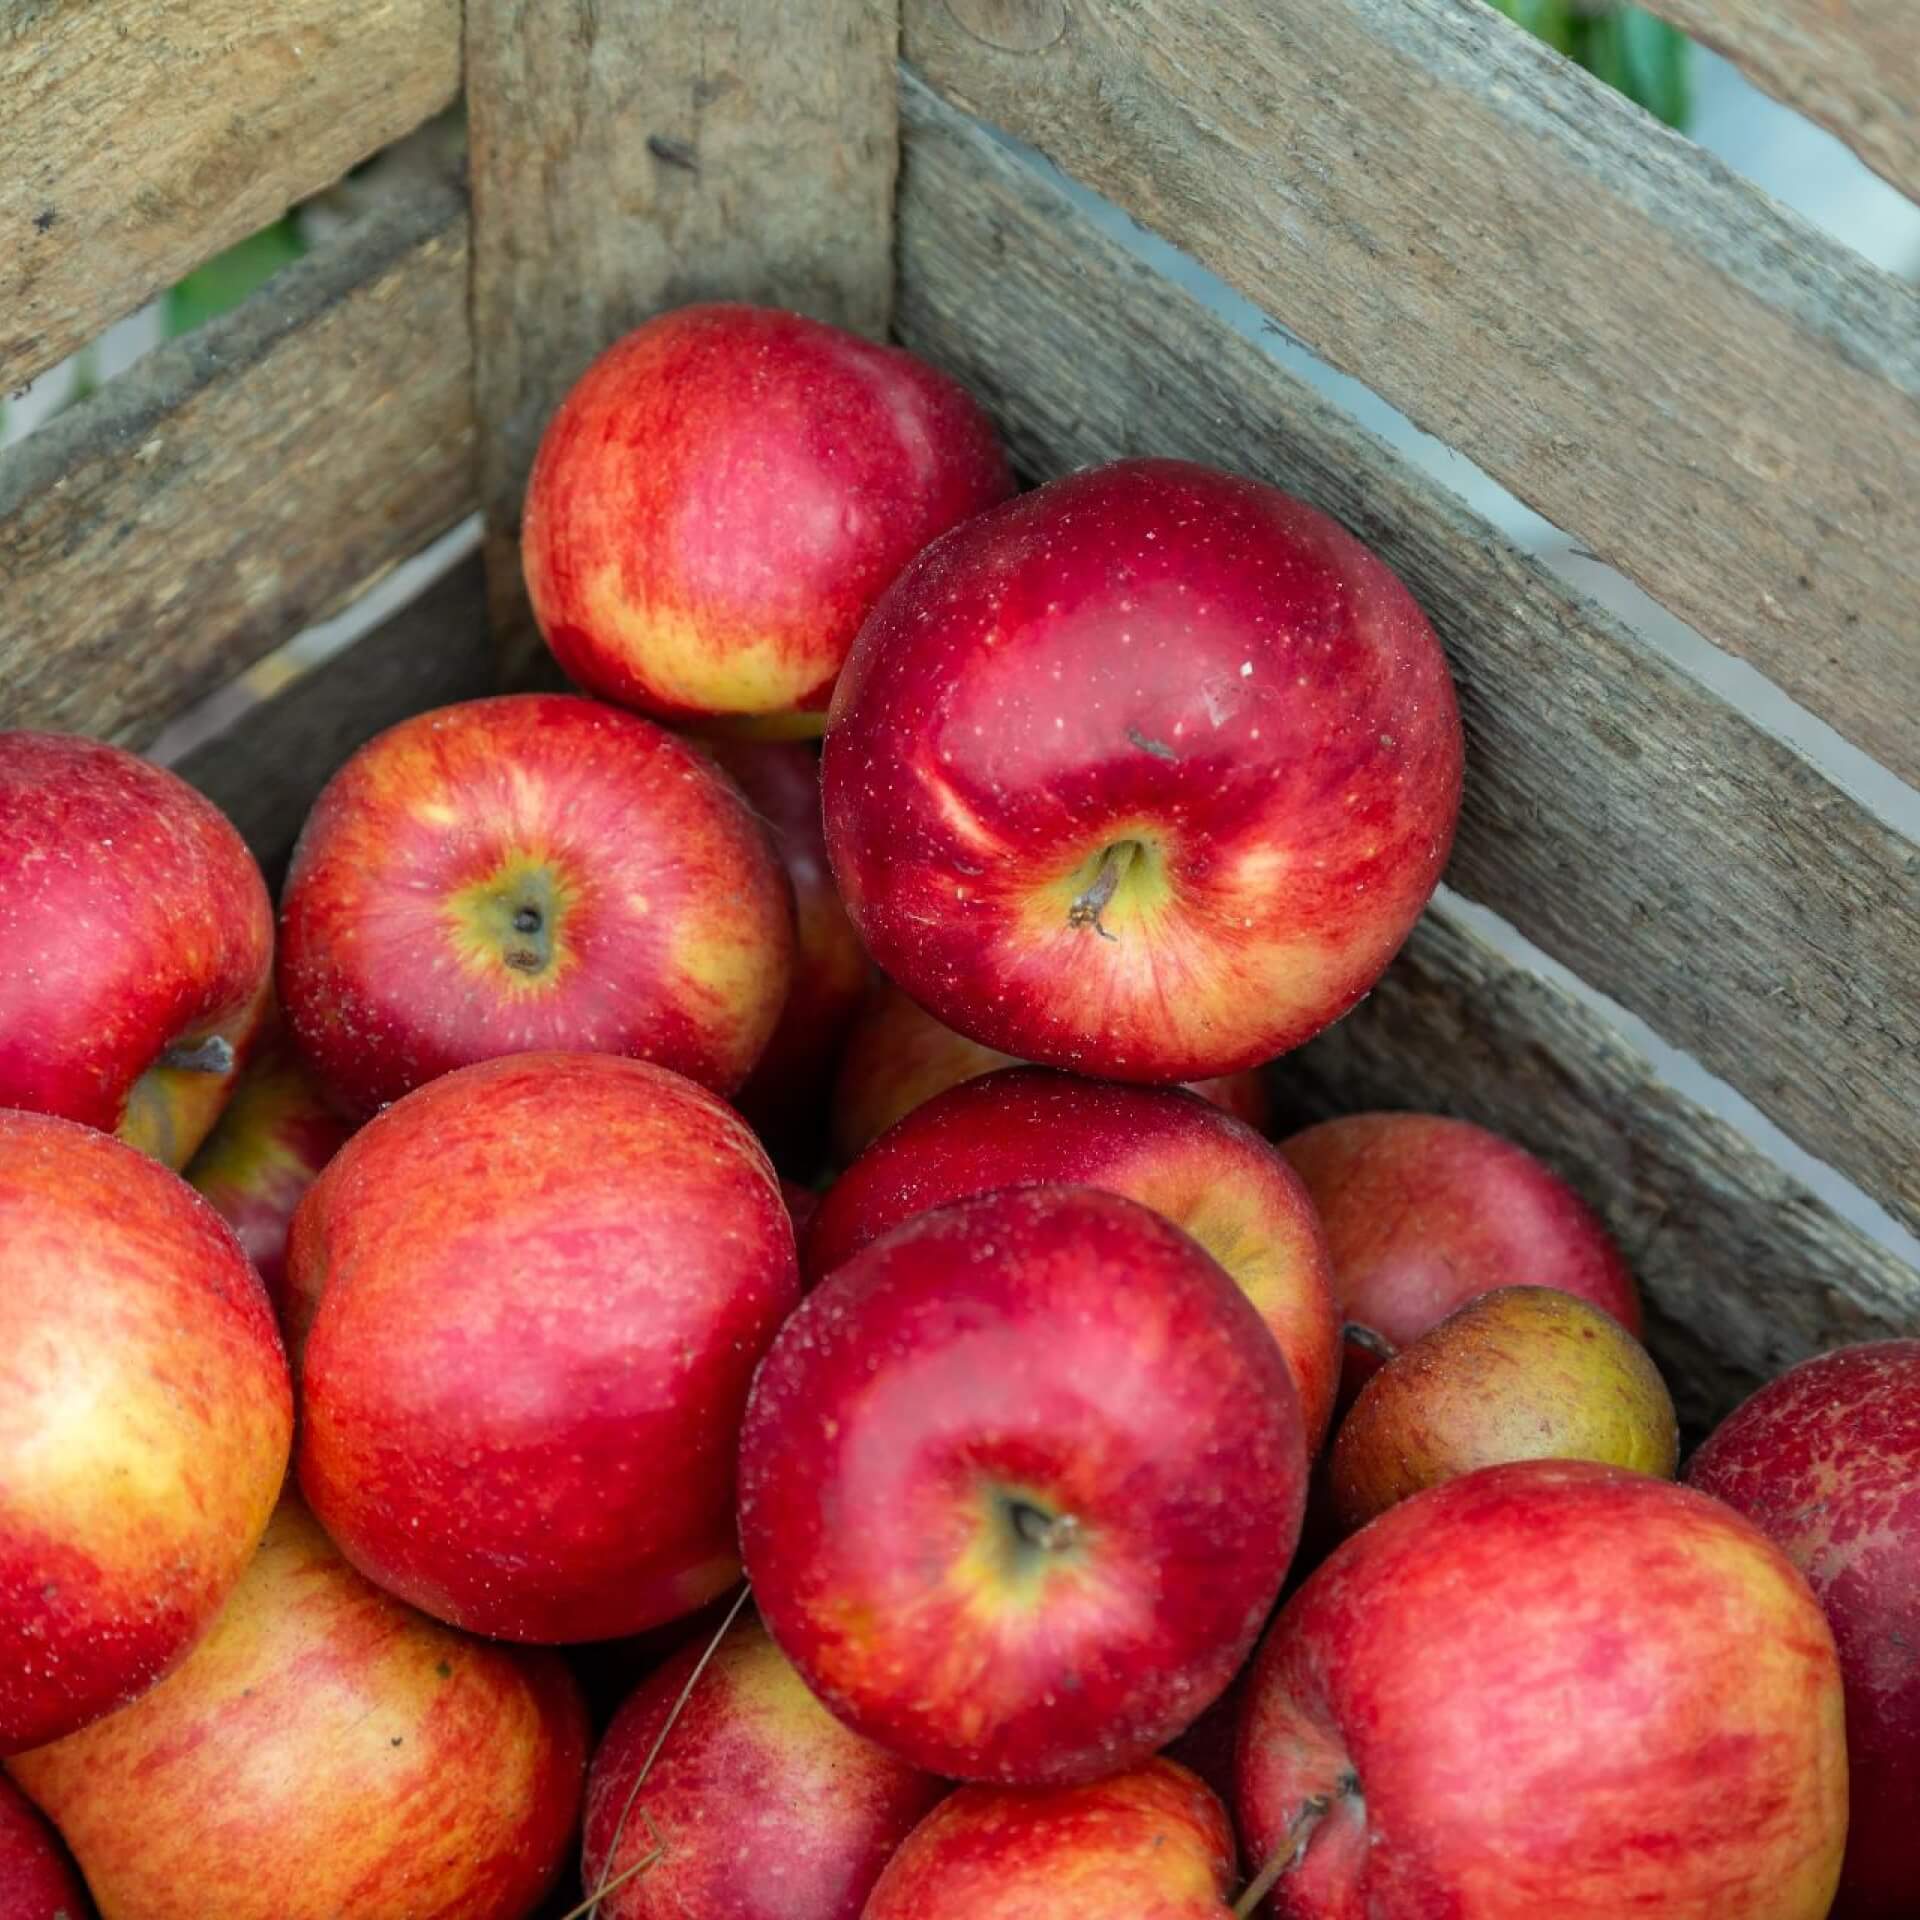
x=529 y=872
x=145 y=1417
x=138 y=939
x=1188 y=1161
x=1018 y=1485
x=325 y=1751
x=1521 y=1373
x=758 y=1804
x=897 y=1055
x=1551 y=1687
x=37 y=1882
x=540 y=1287
x=1423 y=1213
x=1152 y=1844
x=264 y=1152
x=786 y=1094
x=1147 y=773
x=723 y=495
x=1826 y=1462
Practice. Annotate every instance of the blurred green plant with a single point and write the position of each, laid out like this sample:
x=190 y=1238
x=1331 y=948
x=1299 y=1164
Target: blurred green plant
x=1625 y=46
x=229 y=277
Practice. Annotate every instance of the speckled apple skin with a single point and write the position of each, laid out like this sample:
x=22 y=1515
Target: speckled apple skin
x=1550 y=1688
x=1188 y=1161
x=767 y=1808
x=1148 y=651
x=1055 y=1345
x=536 y=1292
x=37 y=1881
x=145 y=1416
x=671 y=926
x=723 y=495
x=1826 y=1462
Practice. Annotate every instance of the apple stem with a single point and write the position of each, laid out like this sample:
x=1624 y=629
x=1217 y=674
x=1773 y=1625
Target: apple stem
x=1368 y=1341
x=1088 y=907
x=211 y=1055
x=1293 y=1844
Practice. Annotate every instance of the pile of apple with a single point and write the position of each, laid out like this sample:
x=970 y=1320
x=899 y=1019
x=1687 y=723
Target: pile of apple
x=1140 y=1521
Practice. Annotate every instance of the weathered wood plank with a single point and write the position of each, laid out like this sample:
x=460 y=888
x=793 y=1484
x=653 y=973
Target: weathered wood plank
x=1852 y=65
x=266 y=768
x=1628 y=821
x=240 y=482
x=141 y=136
x=1744 y=1270
x=1717 y=399
x=628 y=159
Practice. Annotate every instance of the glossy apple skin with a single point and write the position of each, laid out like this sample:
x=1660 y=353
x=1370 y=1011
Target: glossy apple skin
x=145 y=1417
x=1056 y=1348
x=542 y=1286
x=1152 y=1844
x=896 y=1056
x=1152 y=653
x=665 y=928
x=1422 y=1213
x=723 y=495
x=36 y=1880
x=135 y=925
x=1826 y=1462
x=1522 y=1373
x=786 y=1094
x=265 y=1151
x=326 y=1753
x=1553 y=1688
x=767 y=1807
x=1188 y=1161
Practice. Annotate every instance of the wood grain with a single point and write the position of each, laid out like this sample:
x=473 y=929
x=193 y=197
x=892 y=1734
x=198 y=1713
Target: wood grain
x=630 y=158
x=241 y=482
x=1629 y=822
x=1852 y=65
x=141 y=136
x=268 y=766
x=1714 y=397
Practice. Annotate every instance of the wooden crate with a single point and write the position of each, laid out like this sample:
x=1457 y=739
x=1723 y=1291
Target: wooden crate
x=1670 y=367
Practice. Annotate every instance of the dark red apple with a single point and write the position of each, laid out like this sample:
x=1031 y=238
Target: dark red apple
x=722 y=496
x=138 y=939
x=1019 y=1483
x=542 y=1285
x=1551 y=1688
x=1188 y=1161
x=535 y=871
x=37 y=1881
x=1147 y=773
x=1826 y=1462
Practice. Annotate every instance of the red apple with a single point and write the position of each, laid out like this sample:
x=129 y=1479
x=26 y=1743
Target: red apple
x=145 y=1416
x=535 y=871
x=1189 y=1162
x=542 y=1286
x=758 y=1804
x=325 y=1752
x=1424 y=1213
x=897 y=1055
x=276 y=1134
x=786 y=1094
x=1153 y=1844
x=1018 y=1485
x=1147 y=773
x=138 y=939
x=724 y=494
x=1551 y=1688
x=1826 y=1462
x=37 y=1882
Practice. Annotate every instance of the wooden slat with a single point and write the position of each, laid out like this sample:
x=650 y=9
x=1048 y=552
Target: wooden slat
x=138 y=137
x=1853 y=65
x=266 y=768
x=241 y=482
x=1714 y=397
x=1744 y=1270
x=1630 y=823
x=631 y=158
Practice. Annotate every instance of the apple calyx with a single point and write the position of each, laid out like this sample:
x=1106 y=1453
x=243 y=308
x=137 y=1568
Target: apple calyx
x=211 y=1054
x=1049 y=1532
x=1295 y=1842
x=1089 y=904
